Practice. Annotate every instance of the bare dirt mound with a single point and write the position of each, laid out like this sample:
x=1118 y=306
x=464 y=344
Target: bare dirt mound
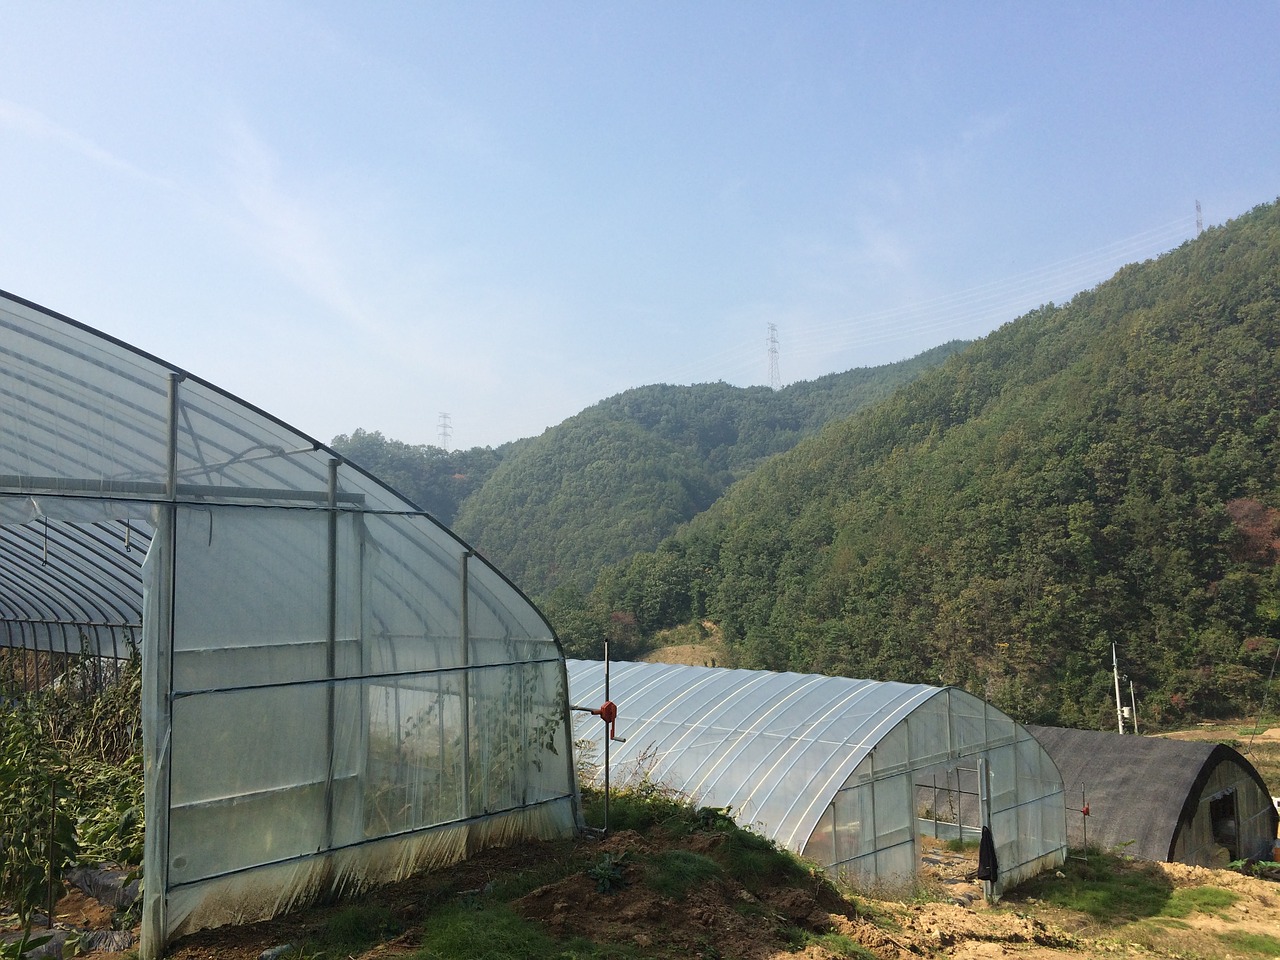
x=718 y=917
x=1221 y=913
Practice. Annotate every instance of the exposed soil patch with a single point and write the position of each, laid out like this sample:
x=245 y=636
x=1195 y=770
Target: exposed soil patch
x=718 y=918
x=763 y=920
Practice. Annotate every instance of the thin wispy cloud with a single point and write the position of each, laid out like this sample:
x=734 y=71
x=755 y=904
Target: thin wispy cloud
x=34 y=125
x=292 y=236
x=510 y=217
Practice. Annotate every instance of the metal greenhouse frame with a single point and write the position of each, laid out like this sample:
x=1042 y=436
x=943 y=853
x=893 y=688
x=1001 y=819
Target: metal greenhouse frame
x=337 y=691
x=846 y=772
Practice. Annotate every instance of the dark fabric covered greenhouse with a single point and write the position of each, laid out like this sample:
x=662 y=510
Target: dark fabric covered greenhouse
x=1159 y=799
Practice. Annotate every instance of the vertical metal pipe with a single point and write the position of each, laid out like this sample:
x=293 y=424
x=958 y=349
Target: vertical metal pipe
x=606 y=739
x=464 y=660
x=158 y=702
x=984 y=806
x=1115 y=671
x=935 y=805
x=1084 y=824
x=331 y=652
x=53 y=847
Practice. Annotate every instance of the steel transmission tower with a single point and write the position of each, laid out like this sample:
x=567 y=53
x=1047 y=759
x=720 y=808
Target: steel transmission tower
x=775 y=378
x=1199 y=220
x=445 y=431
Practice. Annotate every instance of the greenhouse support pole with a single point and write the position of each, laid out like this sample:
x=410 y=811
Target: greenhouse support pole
x=157 y=697
x=331 y=653
x=464 y=658
x=606 y=738
x=984 y=809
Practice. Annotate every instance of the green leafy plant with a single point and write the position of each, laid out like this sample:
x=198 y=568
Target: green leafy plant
x=607 y=872
x=715 y=818
x=37 y=828
x=17 y=949
x=111 y=810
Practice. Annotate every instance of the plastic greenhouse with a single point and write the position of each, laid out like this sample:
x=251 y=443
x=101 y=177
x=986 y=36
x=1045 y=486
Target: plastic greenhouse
x=1184 y=801
x=337 y=691
x=848 y=773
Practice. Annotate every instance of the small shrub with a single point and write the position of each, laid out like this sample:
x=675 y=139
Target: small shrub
x=716 y=818
x=607 y=872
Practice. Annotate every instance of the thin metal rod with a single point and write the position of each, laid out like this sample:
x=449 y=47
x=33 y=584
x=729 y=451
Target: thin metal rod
x=607 y=738
x=331 y=651
x=53 y=850
x=464 y=657
x=1115 y=670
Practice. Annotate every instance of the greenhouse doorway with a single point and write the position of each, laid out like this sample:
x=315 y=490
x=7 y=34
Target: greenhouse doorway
x=1226 y=833
x=948 y=825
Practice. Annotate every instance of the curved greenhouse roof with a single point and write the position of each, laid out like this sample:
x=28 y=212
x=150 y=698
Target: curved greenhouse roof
x=337 y=690
x=834 y=768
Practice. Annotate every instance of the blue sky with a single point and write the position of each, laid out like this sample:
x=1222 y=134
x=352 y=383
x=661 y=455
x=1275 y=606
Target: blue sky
x=365 y=215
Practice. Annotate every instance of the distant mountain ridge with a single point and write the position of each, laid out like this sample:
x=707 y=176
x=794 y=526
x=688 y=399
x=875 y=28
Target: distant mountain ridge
x=620 y=476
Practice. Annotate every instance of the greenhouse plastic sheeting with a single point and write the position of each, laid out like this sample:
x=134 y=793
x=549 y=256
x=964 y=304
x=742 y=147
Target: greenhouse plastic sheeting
x=846 y=772
x=336 y=690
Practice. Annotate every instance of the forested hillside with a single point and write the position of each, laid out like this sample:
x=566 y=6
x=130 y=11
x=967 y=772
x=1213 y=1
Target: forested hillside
x=1105 y=471
x=622 y=475
x=437 y=480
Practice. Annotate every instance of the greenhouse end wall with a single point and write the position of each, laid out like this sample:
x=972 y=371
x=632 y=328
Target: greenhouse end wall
x=337 y=691
x=832 y=767
x=326 y=696
x=994 y=771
